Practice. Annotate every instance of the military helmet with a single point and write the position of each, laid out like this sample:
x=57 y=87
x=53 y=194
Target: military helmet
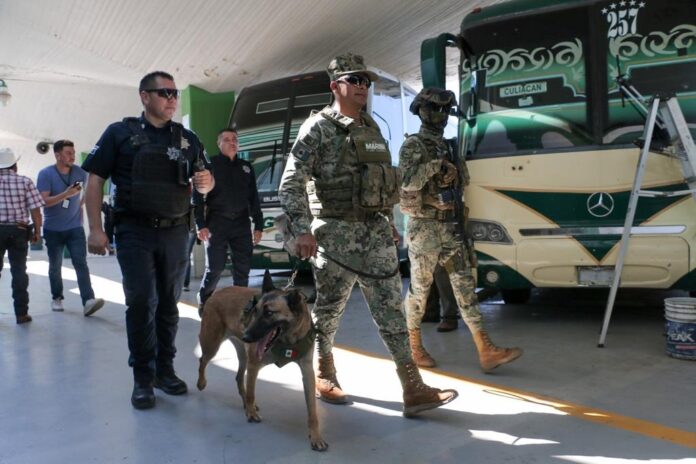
x=349 y=63
x=432 y=96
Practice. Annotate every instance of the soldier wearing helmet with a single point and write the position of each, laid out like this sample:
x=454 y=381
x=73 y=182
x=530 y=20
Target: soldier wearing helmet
x=431 y=183
x=338 y=190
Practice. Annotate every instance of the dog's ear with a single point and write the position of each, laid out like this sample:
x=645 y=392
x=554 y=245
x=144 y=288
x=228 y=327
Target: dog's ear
x=251 y=305
x=267 y=284
x=295 y=299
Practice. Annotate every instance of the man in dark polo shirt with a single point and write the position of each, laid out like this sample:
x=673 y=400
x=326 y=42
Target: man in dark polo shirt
x=222 y=217
x=153 y=163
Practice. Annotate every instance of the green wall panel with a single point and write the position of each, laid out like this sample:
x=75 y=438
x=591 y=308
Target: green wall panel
x=207 y=113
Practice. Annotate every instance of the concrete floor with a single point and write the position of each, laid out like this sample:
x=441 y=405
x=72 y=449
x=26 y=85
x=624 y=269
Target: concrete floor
x=65 y=388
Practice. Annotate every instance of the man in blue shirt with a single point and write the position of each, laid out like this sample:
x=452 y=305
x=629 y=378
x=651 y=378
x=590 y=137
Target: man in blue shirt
x=60 y=186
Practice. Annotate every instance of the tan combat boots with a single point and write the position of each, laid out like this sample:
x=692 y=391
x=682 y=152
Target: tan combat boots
x=420 y=356
x=418 y=396
x=491 y=356
x=327 y=386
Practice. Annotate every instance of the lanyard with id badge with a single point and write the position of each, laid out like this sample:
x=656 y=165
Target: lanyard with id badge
x=65 y=204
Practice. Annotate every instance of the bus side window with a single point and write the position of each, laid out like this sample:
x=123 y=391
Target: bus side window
x=496 y=140
x=554 y=139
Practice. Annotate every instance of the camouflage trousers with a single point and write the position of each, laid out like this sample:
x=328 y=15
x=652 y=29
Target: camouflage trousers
x=432 y=242
x=334 y=284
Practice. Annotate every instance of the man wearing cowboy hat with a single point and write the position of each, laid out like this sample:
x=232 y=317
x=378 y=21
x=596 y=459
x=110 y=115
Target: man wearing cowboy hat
x=18 y=196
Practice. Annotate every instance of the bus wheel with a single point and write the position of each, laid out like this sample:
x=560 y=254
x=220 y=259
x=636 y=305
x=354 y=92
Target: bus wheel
x=516 y=295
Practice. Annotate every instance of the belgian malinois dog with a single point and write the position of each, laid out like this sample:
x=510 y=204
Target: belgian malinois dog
x=276 y=328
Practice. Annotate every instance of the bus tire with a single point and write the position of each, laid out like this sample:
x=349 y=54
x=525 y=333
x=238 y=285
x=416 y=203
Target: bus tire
x=516 y=295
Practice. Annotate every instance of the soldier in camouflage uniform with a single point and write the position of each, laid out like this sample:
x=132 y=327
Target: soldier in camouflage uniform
x=338 y=191
x=427 y=177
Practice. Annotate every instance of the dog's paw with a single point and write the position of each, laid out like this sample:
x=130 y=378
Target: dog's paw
x=202 y=383
x=318 y=443
x=252 y=414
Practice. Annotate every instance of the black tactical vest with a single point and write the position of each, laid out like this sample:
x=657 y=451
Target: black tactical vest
x=160 y=176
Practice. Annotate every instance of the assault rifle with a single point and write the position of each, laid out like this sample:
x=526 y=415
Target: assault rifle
x=460 y=210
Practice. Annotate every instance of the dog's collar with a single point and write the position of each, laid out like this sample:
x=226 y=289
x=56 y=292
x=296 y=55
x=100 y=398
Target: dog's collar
x=284 y=354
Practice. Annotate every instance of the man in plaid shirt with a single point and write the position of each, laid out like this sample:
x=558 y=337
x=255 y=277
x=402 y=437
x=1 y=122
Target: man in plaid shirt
x=18 y=197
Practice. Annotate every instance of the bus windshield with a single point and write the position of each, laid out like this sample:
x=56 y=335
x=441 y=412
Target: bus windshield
x=536 y=95
x=551 y=79
x=268 y=116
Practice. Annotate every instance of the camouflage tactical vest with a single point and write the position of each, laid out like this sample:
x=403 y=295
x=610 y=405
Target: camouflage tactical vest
x=363 y=181
x=416 y=204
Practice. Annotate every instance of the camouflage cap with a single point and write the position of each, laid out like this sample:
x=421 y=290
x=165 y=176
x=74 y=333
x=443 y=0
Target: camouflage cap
x=349 y=64
x=433 y=96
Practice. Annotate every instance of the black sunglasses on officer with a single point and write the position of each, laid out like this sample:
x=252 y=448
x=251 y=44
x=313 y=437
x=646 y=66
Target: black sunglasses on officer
x=165 y=93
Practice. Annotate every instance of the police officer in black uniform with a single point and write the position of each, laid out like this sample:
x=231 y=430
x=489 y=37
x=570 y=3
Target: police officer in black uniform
x=151 y=161
x=222 y=217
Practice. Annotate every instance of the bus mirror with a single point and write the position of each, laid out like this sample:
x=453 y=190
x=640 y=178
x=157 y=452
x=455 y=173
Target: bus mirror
x=433 y=58
x=472 y=100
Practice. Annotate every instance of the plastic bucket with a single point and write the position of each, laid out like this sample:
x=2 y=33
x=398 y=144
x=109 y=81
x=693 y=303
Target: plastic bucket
x=680 y=314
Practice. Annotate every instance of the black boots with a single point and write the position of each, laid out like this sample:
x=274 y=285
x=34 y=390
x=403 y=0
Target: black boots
x=170 y=384
x=143 y=396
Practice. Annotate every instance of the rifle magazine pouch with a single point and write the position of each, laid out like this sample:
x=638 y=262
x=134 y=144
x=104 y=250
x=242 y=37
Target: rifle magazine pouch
x=377 y=186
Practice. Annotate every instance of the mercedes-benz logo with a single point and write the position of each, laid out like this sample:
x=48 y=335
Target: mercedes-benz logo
x=600 y=204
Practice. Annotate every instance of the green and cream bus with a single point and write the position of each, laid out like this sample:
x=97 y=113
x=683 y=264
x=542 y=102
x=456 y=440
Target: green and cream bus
x=549 y=140
x=268 y=116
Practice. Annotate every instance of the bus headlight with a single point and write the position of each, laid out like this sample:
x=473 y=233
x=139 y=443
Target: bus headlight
x=488 y=231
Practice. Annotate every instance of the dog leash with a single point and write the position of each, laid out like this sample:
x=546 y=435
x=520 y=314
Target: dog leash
x=291 y=281
x=359 y=272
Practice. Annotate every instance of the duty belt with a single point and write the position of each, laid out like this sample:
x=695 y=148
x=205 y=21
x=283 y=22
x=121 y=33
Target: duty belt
x=153 y=222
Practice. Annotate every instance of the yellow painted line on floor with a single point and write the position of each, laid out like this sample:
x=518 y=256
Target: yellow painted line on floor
x=643 y=427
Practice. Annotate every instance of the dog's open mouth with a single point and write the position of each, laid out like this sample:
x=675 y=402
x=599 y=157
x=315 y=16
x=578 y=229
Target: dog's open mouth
x=266 y=342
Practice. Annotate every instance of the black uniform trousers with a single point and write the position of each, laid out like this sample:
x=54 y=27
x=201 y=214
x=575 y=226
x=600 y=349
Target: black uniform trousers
x=223 y=233
x=152 y=261
x=13 y=239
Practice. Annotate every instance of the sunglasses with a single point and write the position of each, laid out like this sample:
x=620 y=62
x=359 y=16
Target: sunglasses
x=165 y=93
x=437 y=108
x=356 y=80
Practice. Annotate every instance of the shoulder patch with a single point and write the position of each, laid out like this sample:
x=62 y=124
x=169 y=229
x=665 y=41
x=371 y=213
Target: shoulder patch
x=301 y=150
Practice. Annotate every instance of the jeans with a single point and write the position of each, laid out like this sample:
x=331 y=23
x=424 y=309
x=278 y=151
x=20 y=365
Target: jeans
x=76 y=242
x=14 y=240
x=152 y=262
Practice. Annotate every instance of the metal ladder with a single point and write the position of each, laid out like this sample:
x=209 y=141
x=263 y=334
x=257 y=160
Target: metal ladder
x=664 y=112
